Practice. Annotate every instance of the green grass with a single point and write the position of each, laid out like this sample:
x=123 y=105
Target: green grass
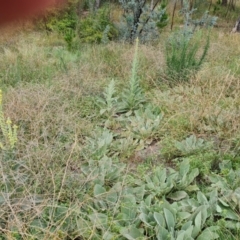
x=68 y=158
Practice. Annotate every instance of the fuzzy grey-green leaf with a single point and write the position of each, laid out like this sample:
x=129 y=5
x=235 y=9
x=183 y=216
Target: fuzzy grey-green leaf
x=159 y=218
x=98 y=190
x=209 y=233
x=178 y=195
x=131 y=233
x=170 y=220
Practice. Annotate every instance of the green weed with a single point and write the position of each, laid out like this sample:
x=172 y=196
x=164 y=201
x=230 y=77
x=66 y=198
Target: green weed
x=182 y=57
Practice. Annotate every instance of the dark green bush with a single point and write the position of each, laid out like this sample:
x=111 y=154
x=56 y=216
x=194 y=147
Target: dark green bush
x=64 y=22
x=183 y=58
x=97 y=27
x=163 y=21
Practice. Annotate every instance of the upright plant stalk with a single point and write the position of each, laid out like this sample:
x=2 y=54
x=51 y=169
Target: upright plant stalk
x=133 y=79
x=133 y=96
x=134 y=66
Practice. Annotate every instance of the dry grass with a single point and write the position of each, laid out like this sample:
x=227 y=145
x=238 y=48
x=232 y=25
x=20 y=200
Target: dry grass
x=208 y=105
x=213 y=95
x=56 y=113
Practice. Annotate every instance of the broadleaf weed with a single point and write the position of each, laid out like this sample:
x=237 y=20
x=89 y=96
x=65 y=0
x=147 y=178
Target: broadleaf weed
x=108 y=104
x=144 y=124
x=192 y=145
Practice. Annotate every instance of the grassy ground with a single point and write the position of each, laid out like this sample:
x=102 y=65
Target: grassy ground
x=50 y=94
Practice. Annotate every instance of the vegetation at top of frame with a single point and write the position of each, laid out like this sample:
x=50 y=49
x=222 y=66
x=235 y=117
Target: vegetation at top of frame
x=139 y=19
x=182 y=48
x=142 y=20
x=117 y=140
x=62 y=21
x=97 y=27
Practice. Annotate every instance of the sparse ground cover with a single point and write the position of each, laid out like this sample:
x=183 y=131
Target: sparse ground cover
x=107 y=149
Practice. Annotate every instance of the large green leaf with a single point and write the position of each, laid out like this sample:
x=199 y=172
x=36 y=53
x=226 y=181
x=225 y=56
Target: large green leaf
x=184 y=167
x=170 y=220
x=129 y=208
x=162 y=175
x=99 y=220
x=186 y=225
x=159 y=218
x=183 y=215
x=84 y=227
x=181 y=235
x=198 y=210
x=209 y=233
x=112 y=197
x=100 y=205
x=131 y=233
x=194 y=173
x=185 y=235
x=144 y=218
x=188 y=233
x=150 y=183
x=195 y=232
x=139 y=192
x=148 y=200
x=223 y=203
x=162 y=233
x=230 y=214
x=198 y=220
x=192 y=188
x=178 y=195
x=232 y=225
x=108 y=236
x=202 y=198
x=98 y=190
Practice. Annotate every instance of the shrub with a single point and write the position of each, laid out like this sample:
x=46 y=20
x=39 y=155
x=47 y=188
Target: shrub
x=163 y=21
x=140 y=20
x=184 y=51
x=182 y=56
x=97 y=27
x=64 y=22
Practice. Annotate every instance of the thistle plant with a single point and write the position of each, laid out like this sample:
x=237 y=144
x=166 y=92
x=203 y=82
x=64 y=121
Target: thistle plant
x=9 y=132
